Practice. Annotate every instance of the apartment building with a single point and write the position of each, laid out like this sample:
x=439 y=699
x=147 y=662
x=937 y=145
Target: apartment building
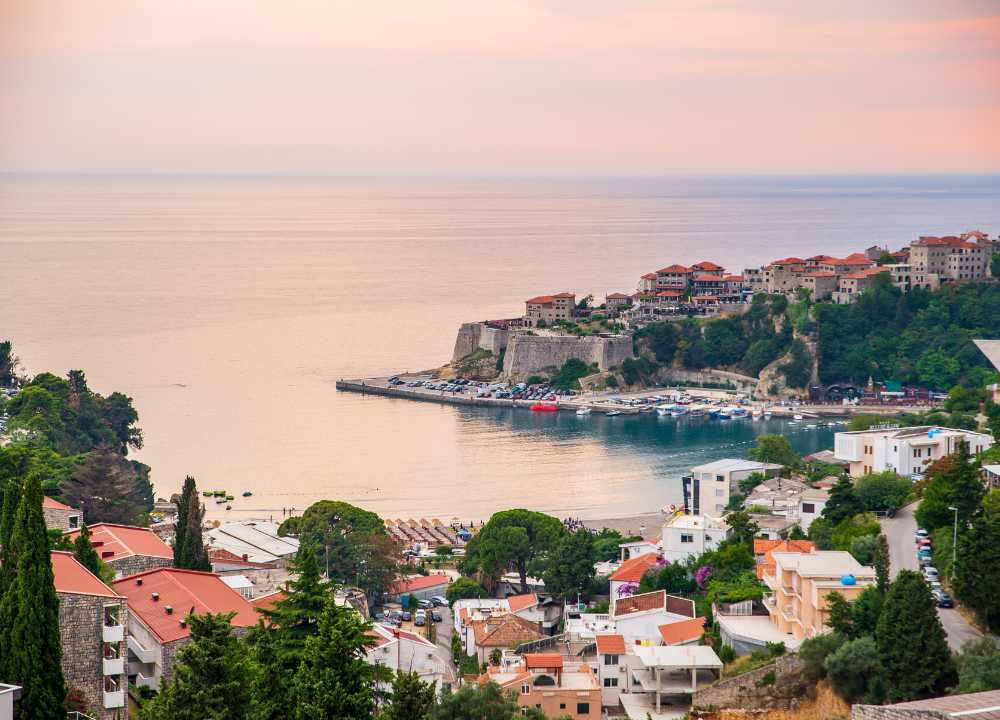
x=709 y=285
x=647 y=283
x=544 y=681
x=403 y=650
x=903 y=450
x=674 y=277
x=685 y=535
x=549 y=308
x=821 y=284
x=949 y=259
x=638 y=618
x=801 y=582
x=708 y=488
x=128 y=550
x=92 y=626
x=706 y=268
x=616 y=302
x=59 y=516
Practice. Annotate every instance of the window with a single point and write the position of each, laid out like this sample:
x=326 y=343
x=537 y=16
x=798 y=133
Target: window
x=808 y=507
x=562 y=706
x=720 y=508
x=525 y=689
x=687 y=538
x=524 y=711
x=610 y=659
x=610 y=682
x=720 y=478
x=720 y=493
x=583 y=708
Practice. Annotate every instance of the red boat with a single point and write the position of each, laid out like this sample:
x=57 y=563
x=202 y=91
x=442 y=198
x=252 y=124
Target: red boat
x=538 y=407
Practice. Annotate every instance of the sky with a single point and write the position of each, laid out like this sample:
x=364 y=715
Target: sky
x=504 y=88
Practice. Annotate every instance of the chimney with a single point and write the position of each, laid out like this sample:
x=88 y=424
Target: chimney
x=245 y=557
x=286 y=586
x=170 y=610
x=156 y=597
x=138 y=581
x=184 y=623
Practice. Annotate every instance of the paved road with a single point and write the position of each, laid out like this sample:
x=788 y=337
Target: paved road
x=900 y=532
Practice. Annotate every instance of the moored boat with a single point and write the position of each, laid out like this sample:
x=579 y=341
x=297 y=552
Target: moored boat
x=583 y=411
x=662 y=409
x=737 y=413
x=541 y=407
x=678 y=410
x=613 y=413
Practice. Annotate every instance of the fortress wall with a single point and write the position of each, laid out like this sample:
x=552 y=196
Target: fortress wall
x=527 y=353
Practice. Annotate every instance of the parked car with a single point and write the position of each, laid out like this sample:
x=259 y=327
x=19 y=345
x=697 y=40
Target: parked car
x=379 y=616
x=921 y=535
x=406 y=616
x=436 y=615
x=395 y=616
x=420 y=618
x=925 y=561
x=438 y=601
x=943 y=599
x=424 y=603
x=930 y=573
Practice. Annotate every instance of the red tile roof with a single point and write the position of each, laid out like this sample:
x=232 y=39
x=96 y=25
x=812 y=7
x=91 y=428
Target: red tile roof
x=543 y=660
x=674 y=269
x=669 y=293
x=266 y=602
x=616 y=296
x=704 y=297
x=641 y=603
x=51 y=504
x=543 y=300
x=970 y=245
x=519 y=602
x=706 y=265
x=856 y=276
x=733 y=278
x=649 y=276
x=420 y=582
x=820 y=258
x=789 y=261
x=611 y=644
x=509 y=630
x=632 y=570
x=182 y=590
x=125 y=541
x=683 y=631
x=72 y=577
x=564 y=295
x=820 y=274
x=680 y=606
x=800 y=546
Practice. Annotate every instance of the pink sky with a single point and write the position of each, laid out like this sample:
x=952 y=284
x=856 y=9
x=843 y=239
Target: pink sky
x=557 y=87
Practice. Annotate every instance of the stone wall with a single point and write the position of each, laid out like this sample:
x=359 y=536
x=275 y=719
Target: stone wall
x=81 y=624
x=742 y=692
x=135 y=564
x=895 y=712
x=818 y=703
x=56 y=519
x=473 y=336
x=741 y=383
x=526 y=353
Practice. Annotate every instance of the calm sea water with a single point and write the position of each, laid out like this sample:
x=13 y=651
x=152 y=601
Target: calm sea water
x=227 y=308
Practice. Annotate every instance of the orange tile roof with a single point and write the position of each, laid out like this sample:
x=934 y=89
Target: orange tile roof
x=680 y=606
x=706 y=265
x=674 y=269
x=610 y=644
x=683 y=631
x=519 y=602
x=486 y=677
x=510 y=630
x=705 y=297
x=267 y=602
x=970 y=245
x=764 y=568
x=564 y=295
x=51 y=504
x=820 y=274
x=124 y=541
x=72 y=577
x=820 y=258
x=669 y=293
x=544 y=299
x=182 y=590
x=649 y=276
x=632 y=570
x=733 y=278
x=856 y=276
x=420 y=582
x=641 y=603
x=616 y=296
x=543 y=660
x=789 y=261
x=801 y=546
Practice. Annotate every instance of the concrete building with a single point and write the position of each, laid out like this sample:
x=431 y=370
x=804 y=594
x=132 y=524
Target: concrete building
x=790 y=499
x=499 y=633
x=259 y=541
x=59 y=516
x=407 y=651
x=92 y=626
x=708 y=488
x=549 y=308
x=706 y=268
x=801 y=582
x=424 y=587
x=903 y=450
x=544 y=681
x=636 y=548
x=127 y=549
x=616 y=302
x=631 y=571
x=638 y=618
x=674 y=277
x=539 y=609
x=159 y=602
x=8 y=695
x=685 y=535
x=821 y=285
x=949 y=259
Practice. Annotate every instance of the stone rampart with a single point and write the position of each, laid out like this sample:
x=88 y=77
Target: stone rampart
x=526 y=353
x=740 y=383
x=896 y=712
x=744 y=692
x=473 y=336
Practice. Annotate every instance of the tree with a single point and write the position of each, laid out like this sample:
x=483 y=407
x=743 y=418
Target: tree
x=880 y=560
x=211 y=677
x=463 y=587
x=378 y=562
x=411 y=698
x=31 y=643
x=867 y=610
x=121 y=417
x=843 y=502
x=851 y=667
x=518 y=537
x=486 y=700
x=8 y=364
x=84 y=551
x=958 y=484
x=886 y=258
x=585 y=303
x=815 y=650
x=193 y=555
x=295 y=616
x=180 y=527
x=937 y=371
x=572 y=370
x=774 y=449
x=270 y=681
x=995 y=266
x=606 y=545
x=839 y=614
x=880 y=491
x=332 y=681
x=442 y=550
x=863 y=548
x=978 y=666
x=911 y=646
x=571 y=565
x=9 y=554
x=747 y=484
x=976 y=580
x=105 y=487
x=743 y=526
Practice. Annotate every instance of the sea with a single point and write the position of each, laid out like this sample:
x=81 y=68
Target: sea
x=228 y=307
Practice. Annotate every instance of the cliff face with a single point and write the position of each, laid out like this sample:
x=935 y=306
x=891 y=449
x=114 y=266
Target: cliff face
x=526 y=353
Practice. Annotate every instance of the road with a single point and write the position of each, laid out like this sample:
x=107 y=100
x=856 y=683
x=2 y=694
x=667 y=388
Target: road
x=900 y=532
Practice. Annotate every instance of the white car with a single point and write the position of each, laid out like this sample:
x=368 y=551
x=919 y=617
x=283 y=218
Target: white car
x=930 y=574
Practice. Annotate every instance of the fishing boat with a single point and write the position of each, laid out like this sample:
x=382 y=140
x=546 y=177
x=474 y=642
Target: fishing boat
x=757 y=414
x=541 y=407
x=663 y=409
x=696 y=410
x=645 y=410
x=217 y=493
x=737 y=413
x=613 y=413
x=725 y=414
x=219 y=501
x=584 y=410
x=797 y=417
x=767 y=414
x=678 y=410
x=230 y=497
x=810 y=427
x=207 y=493
x=247 y=494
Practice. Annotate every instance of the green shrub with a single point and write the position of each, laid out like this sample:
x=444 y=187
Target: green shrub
x=814 y=651
x=727 y=654
x=766 y=679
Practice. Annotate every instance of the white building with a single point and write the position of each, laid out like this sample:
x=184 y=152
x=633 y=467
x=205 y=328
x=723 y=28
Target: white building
x=639 y=617
x=406 y=651
x=902 y=450
x=792 y=500
x=634 y=549
x=258 y=541
x=685 y=535
x=708 y=488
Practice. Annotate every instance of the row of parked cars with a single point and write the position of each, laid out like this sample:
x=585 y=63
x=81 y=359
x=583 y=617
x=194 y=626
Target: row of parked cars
x=522 y=392
x=925 y=557
x=396 y=618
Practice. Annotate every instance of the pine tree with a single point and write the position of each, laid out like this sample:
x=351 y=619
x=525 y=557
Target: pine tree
x=9 y=557
x=180 y=529
x=270 y=681
x=411 y=698
x=911 y=645
x=35 y=661
x=976 y=579
x=966 y=489
x=107 y=488
x=881 y=562
x=193 y=556
x=84 y=551
x=210 y=681
x=332 y=682
x=843 y=502
x=294 y=617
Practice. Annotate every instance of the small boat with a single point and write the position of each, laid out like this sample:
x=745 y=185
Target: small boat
x=583 y=411
x=229 y=507
x=767 y=414
x=797 y=417
x=613 y=413
x=725 y=414
x=678 y=411
x=230 y=497
x=809 y=427
x=539 y=407
x=737 y=413
x=757 y=413
x=662 y=409
x=247 y=494
x=645 y=410
x=219 y=501
x=207 y=493
x=217 y=493
x=697 y=410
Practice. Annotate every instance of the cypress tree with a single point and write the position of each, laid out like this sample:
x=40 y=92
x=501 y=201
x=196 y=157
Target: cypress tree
x=36 y=660
x=295 y=616
x=977 y=570
x=180 y=529
x=911 y=645
x=332 y=682
x=966 y=489
x=881 y=562
x=270 y=682
x=84 y=551
x=194 y=556
x=9 y=557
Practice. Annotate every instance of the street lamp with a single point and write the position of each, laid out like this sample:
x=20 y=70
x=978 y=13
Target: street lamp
x=954 y=539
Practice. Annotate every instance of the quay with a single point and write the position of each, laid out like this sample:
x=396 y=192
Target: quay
x=600 y=402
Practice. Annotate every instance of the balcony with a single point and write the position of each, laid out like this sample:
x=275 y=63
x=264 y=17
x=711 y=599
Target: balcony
x=114 y=699
x=769 y=580
x=114 y=633
x=143 y=655
x=141 y=680
x=791 y=614
x=791 y=591
x=769 y=604
x=114 y=666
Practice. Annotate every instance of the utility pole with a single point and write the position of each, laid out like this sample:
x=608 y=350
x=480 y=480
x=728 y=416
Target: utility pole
x=954 y=540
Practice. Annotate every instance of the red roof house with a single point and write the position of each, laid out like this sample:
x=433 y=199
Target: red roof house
x=127 y=549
